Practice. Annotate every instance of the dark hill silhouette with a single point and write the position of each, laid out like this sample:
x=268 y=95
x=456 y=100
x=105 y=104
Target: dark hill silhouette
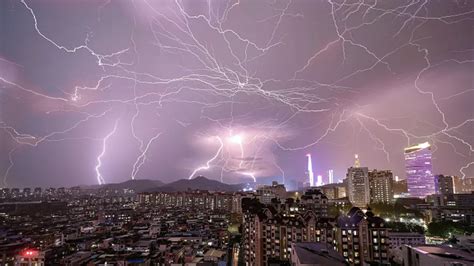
x=198 y=183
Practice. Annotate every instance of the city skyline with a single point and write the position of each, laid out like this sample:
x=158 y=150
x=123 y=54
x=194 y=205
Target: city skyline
x=97 y=93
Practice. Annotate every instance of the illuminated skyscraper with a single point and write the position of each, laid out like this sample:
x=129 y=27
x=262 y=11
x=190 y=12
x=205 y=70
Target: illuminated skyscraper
x=319 y=181
x=358 y=184
x=420 y=180
x=330 y=176
x=310 y=171
x=357 y=161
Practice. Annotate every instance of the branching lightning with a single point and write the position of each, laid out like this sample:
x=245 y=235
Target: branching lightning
x=142 y=158
x=208 y=163
x=223 y=67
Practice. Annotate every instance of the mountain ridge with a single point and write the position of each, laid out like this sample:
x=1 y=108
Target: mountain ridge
x=149 y=185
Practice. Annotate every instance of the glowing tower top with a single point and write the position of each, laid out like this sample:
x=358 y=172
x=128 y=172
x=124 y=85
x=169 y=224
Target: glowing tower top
x=357 y=162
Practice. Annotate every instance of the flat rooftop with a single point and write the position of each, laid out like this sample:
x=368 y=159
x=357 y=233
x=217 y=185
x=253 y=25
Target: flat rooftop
x=317 y=254
x=446 y=253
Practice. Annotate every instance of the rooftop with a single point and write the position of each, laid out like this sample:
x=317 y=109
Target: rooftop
x=317 y=254
x=446 y=253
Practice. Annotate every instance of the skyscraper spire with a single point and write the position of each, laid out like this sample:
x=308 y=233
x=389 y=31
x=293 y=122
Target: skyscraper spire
x=357 y=162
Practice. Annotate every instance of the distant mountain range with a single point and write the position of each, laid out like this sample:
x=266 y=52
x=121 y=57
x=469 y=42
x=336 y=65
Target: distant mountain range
x=200 y=182
x=146 y=185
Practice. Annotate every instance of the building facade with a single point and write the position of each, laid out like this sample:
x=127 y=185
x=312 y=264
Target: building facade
x=435 y=256
x=420 y=181
x=362 y=237
x=270 y=233
x=444 y=184
x=358 y=188
x=269 y=230
x=196 y=199
x=315 y=254
x=267 y=193
x=399 y=239
x=381 y=186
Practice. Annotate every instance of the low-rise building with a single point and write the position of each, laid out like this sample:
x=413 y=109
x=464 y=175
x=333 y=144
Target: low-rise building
x=399 y=239
x=315 y=254
x=29 y=257
x=436 y=256
x=266 y=193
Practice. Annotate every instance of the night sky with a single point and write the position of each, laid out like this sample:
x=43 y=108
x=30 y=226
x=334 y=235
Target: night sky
x=104 y=91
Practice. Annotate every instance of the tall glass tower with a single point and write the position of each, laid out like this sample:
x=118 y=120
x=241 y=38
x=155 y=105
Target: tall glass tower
x=310 y=171
x=420 y=180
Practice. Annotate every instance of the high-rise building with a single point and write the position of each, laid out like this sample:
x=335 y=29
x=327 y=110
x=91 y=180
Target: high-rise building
x=325 y=179
x=310 y=171
x=444 y=184
x=362 y=238
x=420 y=179
x=237 y=201
x=358 y=188
x=381 y=186
x=319 y=181
x=400 y=187
x=334 y=191
x=330 y=176
x=270 y=230
x=357 y=161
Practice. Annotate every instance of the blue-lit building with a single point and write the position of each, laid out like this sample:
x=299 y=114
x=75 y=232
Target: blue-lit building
x=419 y=170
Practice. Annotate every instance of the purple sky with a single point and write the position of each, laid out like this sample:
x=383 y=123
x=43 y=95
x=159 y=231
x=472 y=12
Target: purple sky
x=111 y=90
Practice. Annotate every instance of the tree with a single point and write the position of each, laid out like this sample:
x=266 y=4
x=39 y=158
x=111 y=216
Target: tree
x=406 y=227
x=447 y=229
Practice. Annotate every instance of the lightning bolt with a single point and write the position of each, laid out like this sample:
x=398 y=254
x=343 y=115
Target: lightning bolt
x=11 y=164
x=220 y=76
x=142 y=158
x=251 y=175
x=208 y=163
x=100 y=178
